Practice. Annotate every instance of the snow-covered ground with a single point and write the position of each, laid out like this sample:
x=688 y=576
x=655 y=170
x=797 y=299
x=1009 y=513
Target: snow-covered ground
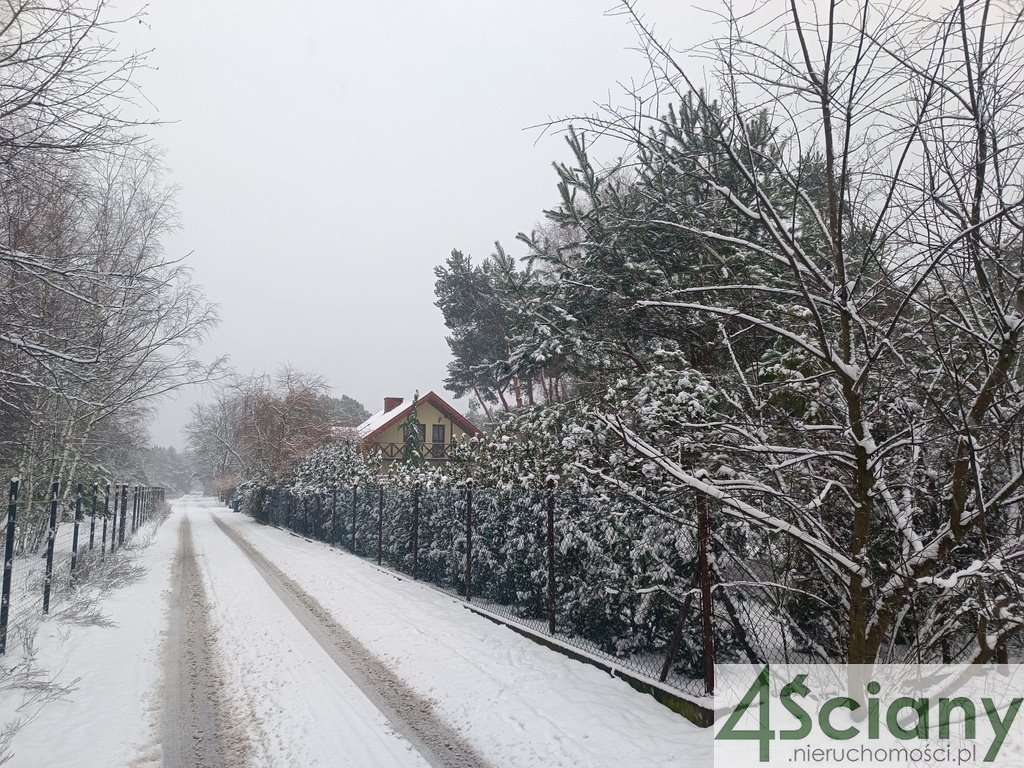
x=294 y=654
x=112 y=715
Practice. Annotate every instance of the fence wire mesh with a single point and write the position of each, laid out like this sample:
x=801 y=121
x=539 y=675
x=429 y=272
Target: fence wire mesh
x=45 y=574
x=624 y=582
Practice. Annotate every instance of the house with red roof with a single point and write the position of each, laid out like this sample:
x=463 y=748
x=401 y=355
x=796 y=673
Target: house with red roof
x=440 y=424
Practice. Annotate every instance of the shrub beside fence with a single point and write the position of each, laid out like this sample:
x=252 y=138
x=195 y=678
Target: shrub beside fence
x=66 y=561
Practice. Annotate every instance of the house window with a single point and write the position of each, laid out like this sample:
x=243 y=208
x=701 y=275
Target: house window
x=437 y=441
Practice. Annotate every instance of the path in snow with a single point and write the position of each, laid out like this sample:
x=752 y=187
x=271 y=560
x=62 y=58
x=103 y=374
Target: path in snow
x=300 y=707
x=410 y=714
x=517 y=703
x=197 y=727
x=279 y=652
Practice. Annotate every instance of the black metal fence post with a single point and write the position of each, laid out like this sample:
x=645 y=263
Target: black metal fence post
x=707 y=625
x=551 y=554
x=469 y=540
x=5 y=600
x=415 y=530
x=380 y=523
x=334 y=515
x=136 y=508
x=124 y=513
x=92 y=521
x=50 y=537
x=355 y=494
x=106 y=514
x=74 y=535
x=113 y=517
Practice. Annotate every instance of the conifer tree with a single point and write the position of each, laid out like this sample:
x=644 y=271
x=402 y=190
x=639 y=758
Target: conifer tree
x=412 y=449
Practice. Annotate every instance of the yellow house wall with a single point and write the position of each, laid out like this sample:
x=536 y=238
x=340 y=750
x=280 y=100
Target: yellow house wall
x=428 y=415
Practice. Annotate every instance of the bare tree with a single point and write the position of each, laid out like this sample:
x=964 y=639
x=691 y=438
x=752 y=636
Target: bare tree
x=870 y=157
x=259 y=427
x=95 y=321
x=64 y=85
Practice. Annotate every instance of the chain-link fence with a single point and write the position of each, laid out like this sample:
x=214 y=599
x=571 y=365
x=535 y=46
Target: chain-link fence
x=662 y=591
x=614 y=581
x=64 y=542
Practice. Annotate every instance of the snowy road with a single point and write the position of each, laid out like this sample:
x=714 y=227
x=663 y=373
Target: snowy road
x=274 y=651
x=301 y=707
x=197 y=726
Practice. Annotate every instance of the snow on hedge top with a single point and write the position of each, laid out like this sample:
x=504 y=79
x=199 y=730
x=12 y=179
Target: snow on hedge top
x=381 y=418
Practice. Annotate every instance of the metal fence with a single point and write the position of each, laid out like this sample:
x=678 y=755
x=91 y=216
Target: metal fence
x=80 y=532
x=533 y=559
x=664 y=598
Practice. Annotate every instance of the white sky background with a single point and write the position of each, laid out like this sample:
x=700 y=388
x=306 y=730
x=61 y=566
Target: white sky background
x=330 y=154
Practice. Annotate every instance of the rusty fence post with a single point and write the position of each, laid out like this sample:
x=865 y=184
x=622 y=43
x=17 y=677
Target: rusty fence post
x=469 y=540
x=380 y=523
x=550 y=504
x=355 y=496
x=50 y=538
x=5 y=600
x=706 y=608
x=415 y=529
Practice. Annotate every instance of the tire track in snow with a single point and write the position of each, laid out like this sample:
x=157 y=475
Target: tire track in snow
x=410 y=714
x=196 y=731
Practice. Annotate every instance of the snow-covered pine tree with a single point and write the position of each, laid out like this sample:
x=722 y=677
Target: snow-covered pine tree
x=412 y=446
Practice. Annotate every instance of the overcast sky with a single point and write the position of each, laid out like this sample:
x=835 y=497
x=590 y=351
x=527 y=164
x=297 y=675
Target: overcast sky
x=330 y=154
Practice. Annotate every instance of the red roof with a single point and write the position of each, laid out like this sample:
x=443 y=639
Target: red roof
x=376 y=426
